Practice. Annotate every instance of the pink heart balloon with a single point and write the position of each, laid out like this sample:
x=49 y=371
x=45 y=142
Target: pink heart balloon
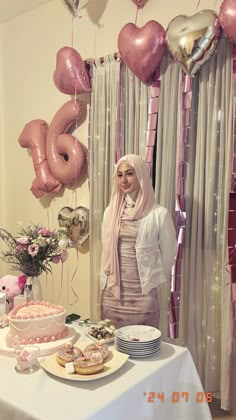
x=192 y=40
x=227 y=17
x=140 y=3
x=142 y=48
x=71 y=76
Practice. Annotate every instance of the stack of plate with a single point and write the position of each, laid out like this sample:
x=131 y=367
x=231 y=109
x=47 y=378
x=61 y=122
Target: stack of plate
x=138 y=340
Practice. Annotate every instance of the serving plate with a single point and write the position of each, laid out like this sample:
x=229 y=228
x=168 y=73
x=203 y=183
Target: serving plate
x=113 y=362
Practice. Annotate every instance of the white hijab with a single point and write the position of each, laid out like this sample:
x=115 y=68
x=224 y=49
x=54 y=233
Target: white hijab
x=143 y=205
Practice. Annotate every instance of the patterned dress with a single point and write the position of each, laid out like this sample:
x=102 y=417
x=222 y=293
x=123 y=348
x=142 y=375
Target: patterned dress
x=133 y=307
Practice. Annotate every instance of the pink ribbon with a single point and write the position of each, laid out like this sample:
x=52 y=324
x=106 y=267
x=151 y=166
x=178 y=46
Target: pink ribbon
x=180 y=212
x=152 y=119
x=231 y=264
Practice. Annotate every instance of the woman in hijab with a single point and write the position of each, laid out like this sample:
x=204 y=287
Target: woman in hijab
x=139 y=246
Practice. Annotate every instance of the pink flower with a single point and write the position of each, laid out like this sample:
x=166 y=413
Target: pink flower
x=21 y=248
x=33 y=250
x=56 y=259
x=23 y=240
x=64 y=256
x=60 y=258
x=44 y=232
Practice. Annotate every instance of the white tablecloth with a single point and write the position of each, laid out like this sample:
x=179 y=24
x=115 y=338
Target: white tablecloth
x=120 y=396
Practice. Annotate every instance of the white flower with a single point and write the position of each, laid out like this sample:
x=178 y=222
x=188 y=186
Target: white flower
x=62 y=244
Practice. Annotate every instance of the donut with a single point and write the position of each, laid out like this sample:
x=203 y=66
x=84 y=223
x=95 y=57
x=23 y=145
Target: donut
x=67 y=354
x=98 y=347
x=89 y=364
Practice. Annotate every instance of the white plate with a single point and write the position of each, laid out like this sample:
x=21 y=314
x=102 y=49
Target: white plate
x=138 y=345
x=106 y=340
x=141 y=354
x=113 y=362
x=138 y=333
x=137 y=350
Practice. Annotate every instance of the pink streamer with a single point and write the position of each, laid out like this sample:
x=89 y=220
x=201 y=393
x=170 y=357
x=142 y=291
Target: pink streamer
x=152 y=119
x=180 y=212
x=231 y=264
x=118 y=119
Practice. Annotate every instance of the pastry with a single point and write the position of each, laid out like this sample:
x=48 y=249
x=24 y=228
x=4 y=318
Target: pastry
x=89 y=364
x=98 y=347
x=68 y=354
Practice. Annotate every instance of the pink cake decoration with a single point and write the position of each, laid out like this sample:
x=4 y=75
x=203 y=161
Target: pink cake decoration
x=36 y=322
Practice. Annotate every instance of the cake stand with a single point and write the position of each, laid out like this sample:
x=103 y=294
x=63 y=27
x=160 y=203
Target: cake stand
x=45 y=348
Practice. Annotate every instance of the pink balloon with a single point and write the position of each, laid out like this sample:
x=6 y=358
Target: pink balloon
x=140 y=3
x=227 y=18
x=33 y=137
x=67 y=157
x=142 y=48
x=71 y=75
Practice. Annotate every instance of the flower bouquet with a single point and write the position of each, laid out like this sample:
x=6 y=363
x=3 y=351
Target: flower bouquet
x=34 y=249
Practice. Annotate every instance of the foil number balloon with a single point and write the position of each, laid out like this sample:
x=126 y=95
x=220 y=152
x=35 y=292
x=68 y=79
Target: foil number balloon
x=192 y=40
x=58 y=157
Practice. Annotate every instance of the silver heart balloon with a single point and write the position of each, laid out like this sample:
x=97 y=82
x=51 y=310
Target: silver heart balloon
x=75 y=223
x=75 y=5
x=192 y=40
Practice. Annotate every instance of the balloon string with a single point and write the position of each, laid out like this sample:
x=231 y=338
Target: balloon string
x=72 y=288
x=76 y=137
x=72 y=32
x=136 y=16
x=198 y=4
x=61 y=279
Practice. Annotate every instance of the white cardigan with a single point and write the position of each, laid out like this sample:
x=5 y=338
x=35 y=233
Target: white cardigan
x=155 y=249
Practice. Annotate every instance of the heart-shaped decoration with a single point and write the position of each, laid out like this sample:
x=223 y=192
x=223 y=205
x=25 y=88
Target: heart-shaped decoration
x=71 y=75
x=140 y=3
x=76 y=224
x=227 y=17
x=142 y=48
x=75 y=5
x=192 y=40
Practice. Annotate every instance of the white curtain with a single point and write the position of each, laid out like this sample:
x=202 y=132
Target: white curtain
x=205 y=318
x=135 y=97
x=118 y=120
x=119 y=115
x=103 y=119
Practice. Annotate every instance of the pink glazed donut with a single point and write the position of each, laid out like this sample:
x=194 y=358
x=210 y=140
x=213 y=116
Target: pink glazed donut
x=67 y=354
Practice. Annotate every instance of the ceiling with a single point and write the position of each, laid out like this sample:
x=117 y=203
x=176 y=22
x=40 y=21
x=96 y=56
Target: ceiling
x=12 y=8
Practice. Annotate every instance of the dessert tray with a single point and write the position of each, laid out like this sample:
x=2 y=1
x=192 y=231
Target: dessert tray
x=45 y=348
x=92 y=329
x=114 y=361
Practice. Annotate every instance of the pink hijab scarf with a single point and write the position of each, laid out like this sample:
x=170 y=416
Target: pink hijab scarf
x=111 y=224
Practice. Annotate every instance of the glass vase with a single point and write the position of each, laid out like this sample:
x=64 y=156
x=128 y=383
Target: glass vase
x=33 y=289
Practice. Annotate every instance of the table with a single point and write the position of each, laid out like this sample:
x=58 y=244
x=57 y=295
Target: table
x=121 y=396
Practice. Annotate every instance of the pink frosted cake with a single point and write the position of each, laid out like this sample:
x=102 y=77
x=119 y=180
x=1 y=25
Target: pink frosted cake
x=36 y=322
